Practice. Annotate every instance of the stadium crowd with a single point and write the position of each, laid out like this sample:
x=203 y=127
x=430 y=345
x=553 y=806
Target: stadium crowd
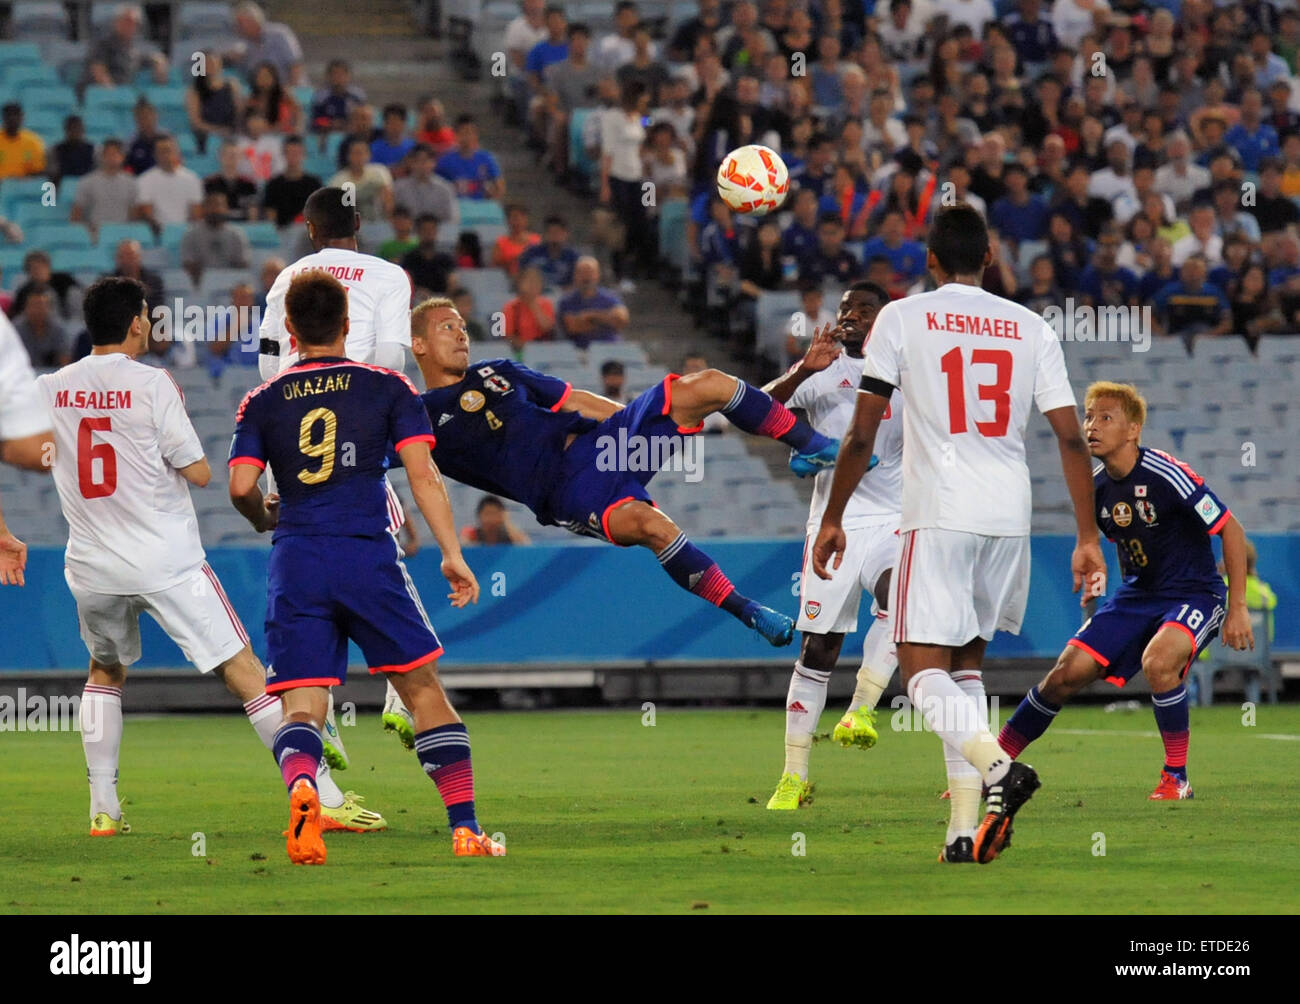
x=1124 y=154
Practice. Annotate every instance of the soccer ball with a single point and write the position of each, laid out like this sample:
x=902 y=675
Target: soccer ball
x=753 y=179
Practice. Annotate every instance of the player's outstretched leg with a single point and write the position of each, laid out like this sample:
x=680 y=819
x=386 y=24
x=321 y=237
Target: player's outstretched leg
x=640 y=523
x=397 y=719
x=1074 y=670
x=100 y=720
x=442 y=745
x=755 y=411
x=245 y=677
x=1164 y=662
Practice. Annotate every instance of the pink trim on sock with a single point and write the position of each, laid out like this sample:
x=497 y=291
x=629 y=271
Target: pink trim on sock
x=455 y=782
x=260 y=703
x=297 y=765
x=778 y=422
x=713 y=586
x=1175 y=748
x=1012 y=742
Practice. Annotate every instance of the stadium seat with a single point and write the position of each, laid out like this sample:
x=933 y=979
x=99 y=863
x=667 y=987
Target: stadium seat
x=58 y=236
x=262 y=234
x=31 y=21
x=52 y=97
x=772 y=313
x=171 y=235
x=87 y=259
x=202 y=18
x=114 y=100
x=476 y=211
x=672 y=233
x=112 y=234
x=28 y=78
x=490 y=288
x=215 y=283
x=22 y=53
x=545 y=355
x=16 y=191
x=11 y=263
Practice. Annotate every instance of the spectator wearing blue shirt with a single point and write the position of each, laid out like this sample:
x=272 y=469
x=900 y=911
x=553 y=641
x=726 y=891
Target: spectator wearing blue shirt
x=828 y=91
x=1019 y=215
x=554 y=48
x=1033 y=38
x=591 y=313
x=818 y=171
x=554 y=257
x=1192 y=306
x=332 y=104
x=1106 y=283
x=830 y=259
x=1229 y=219
x=719 y=240
x=394 y=143
x=1269 y=66
x=232 y=335
x=1252 y=137
x=473 y=171
x=906 y=258
x=1161 y=273
x=800 y=238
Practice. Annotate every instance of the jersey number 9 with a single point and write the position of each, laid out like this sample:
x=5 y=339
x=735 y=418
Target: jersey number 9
x=322 y=449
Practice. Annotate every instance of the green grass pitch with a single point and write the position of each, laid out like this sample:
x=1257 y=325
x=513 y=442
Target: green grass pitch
x=603 y=814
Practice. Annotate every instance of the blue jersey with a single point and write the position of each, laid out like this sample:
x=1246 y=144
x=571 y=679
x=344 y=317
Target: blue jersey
x=500 y=429
x=325 y=427
x=1160 y=516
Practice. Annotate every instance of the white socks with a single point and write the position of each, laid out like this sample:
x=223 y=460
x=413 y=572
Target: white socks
x=959 y=721
x=265 y=714
x=964 y=781
x=803 y=710
x=331 y=795
x=101 y=738
x=879 y=660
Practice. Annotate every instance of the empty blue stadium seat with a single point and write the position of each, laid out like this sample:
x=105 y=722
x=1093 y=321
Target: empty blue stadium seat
x=54 y=236
x=111 y=234
x=31 y=21
x=476 y=211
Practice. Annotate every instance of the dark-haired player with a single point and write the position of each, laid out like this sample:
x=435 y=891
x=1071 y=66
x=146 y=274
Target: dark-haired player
x=325 y=426
x=1161 y=515
x=970 y=366
x=514 y=432
x=126 y=456
x=379 y=332
x=824 y=385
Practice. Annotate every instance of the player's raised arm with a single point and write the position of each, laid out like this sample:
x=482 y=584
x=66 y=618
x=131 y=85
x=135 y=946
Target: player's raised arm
x=824 y=350
x=430 y=496
x=1237 y=632
x=1087 y=564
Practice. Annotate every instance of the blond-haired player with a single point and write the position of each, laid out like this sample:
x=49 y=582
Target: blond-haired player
x=1161 y=515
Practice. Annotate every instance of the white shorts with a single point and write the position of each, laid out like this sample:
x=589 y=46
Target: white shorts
x=830 y=606
x=195 y=613
x=950 y=587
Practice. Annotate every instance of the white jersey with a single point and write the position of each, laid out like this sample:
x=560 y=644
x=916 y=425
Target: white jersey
x=21 y=412
x=379 y=303
x=970 y=364
x=829 y=398
x=121 y=434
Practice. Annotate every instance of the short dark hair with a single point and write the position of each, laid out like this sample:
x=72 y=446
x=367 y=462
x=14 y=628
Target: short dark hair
x=294 y=140
x=830 y=218
x=555 y=221
x=959 y=239
x=424 y=218
x=867 y=286
x=317 y=304
x=329 y=215
x=109 y=307
x=610 y=366
x=488 y=500
x=465 y=118
x=579 y=28
x=395 y=109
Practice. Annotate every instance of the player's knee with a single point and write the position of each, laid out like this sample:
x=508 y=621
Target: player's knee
x=1073 y=671
x=820 y=651
x=1162 y=673
x=707 y=387
x=641 y=523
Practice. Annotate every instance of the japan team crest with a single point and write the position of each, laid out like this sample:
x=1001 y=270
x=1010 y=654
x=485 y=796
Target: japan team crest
x=1147 y=512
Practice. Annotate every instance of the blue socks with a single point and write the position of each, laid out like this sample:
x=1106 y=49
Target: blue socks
x=757 y=412
x=444 y=755
x=697 y=573
x=1174 y=722
x=297 y=748
x=1029 y=721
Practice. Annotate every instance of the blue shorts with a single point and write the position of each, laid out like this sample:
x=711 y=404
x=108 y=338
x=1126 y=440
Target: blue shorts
x=605 y=467
x=1118 y=633
x=327 y=590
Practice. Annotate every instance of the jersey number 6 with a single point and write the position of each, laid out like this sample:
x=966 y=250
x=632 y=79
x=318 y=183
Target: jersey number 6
x=999 y=391
x=324 y=449
x=88 y=451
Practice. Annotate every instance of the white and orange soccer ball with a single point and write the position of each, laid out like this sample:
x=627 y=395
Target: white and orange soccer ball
x=753 y=179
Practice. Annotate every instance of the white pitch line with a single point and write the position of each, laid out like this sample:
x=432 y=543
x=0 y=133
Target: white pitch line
x=1288 y=737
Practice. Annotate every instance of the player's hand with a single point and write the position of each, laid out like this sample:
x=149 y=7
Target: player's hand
x=13 y=560
x=830 y=544
x=1237 y=632
x=464 y=587
x=822 y=351
x=1088 y=566
x=270 y=513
